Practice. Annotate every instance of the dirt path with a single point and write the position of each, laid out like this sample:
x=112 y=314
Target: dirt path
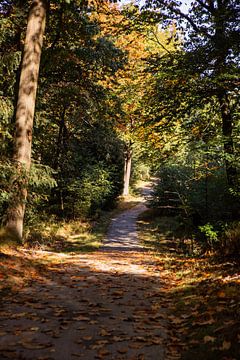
x=104 y=305
x=122 y=234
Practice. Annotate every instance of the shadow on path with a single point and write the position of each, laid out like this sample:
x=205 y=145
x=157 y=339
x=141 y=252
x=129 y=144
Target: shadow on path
x=104 y=305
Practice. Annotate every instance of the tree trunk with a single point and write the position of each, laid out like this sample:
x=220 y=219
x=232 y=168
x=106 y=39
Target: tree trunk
x=60 y=139
x=227 y=131
x=127 y=170
x=222 y=50
x=24 y=115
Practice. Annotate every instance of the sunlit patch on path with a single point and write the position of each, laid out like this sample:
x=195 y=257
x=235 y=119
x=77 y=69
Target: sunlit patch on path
x=105 y=305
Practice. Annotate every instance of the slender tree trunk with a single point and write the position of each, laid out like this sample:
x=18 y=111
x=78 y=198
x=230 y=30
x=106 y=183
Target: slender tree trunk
x=227 y=131
x=60 y=139
x=24 y=115
x=127 y=170
x=61 y=143
x=206 y=186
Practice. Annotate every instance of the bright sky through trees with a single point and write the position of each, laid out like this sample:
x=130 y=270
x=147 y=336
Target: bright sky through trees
x=185 y=6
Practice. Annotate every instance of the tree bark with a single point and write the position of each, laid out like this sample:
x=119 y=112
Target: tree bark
x=227 y=132
x=25 y=114
x=127 y=170
x=222 y=49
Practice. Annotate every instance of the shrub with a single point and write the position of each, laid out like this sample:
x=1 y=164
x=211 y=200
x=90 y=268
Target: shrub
x=86 y=195
x=211 y=239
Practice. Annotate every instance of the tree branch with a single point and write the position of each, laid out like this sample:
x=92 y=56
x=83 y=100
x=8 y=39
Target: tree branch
x=177 y=11
x=205 y=6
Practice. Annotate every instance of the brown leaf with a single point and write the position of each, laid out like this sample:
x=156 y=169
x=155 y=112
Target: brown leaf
x=87 y=338
x=157 y=341
x=221 y=294
x=206 y=322
x=226 y=345
x=103 y=352
x=207 y=339
x=118 y=293
x=32 y=346
x=104 y=332
x=34 y=328
x=175 y=320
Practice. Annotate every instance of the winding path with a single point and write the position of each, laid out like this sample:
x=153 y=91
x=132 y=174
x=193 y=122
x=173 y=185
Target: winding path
x=105 y=305
x=122 y=234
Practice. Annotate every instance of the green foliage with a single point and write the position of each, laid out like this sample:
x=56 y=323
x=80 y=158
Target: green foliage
x=210 y=235
x=41 y=176
x=77 y=164
x=193 y=85
x=6 y=172
x=40 y=182
x=202 y=201
x=165 y=100
x=89 y=193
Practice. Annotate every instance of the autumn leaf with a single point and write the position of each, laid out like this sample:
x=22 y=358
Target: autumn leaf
x=104 y=332
x=226 y=345
x=103 y=352
x=88 y=338
x=32 y=346
x=207 y=339
x=204 y=322
x=221 y=294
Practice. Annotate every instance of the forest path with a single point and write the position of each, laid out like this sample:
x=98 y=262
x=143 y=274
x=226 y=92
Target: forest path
x=122 y=232
x=104 y=305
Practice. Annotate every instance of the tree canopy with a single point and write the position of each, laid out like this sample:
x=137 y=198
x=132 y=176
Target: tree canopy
x=154 y=83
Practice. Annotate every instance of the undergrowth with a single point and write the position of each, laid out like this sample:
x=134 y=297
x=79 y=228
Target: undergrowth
x=203 y=292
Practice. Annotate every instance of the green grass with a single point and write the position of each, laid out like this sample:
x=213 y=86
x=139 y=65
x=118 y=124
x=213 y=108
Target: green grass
x=79 y=235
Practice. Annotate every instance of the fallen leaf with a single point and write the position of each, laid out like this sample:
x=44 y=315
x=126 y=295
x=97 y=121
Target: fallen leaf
x=221 y=294
x=157 y=341
x=103 y=352
x=87 y=338
x=206 y=322
x=34 y=328
x=207 y=339
x=104 y=332
x=32 y=346
x=226 y=345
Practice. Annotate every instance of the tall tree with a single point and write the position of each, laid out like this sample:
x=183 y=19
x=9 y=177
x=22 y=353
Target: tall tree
x=139 y=40
x=25 y=114
x=207 y=64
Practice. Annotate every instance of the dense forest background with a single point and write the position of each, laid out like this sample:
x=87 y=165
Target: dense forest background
x=154 y=89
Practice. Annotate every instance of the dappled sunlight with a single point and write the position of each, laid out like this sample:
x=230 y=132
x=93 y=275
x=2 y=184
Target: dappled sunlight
x=203 y=292
x=106 y=301
x=124 y=298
